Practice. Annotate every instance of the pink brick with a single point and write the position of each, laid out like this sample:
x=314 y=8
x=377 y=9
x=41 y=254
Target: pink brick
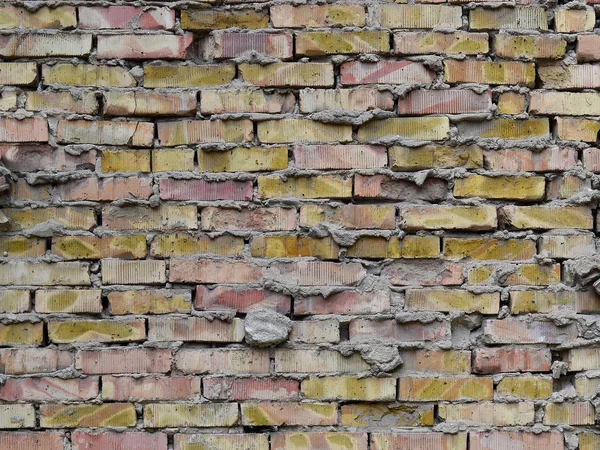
x=548 y=160
x=515 y=331
x=346 y=302
x=195 y=329
x=390 y=330
x=447 y=101
x=265 y=219
x=11 y=440
x=588 y=47
x=105 y=189
x=204 y=131
x=33 y=360
x=222 y=361
x=209 y=271
x=382 y=186
x=319 y=441
x=121 y=360
x=83 y=440
x=424 y=273
x=591 y=159
x=234 y=45
x=250 y=389
x=510 y=440
x=419 y=441
x=52 y=389
x=95 y=18
x=26 y=130
x=239 y=299
x=498 y=360
x=150 y=388
x=144 y=46
x=200 y=190
x=31 y=158
x=339 y=156
x=319 y=273
x=388 y=72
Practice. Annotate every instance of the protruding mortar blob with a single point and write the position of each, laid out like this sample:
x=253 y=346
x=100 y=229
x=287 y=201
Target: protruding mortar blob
x=265 y=328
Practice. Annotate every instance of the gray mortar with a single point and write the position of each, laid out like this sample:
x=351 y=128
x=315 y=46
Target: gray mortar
x=266 y=327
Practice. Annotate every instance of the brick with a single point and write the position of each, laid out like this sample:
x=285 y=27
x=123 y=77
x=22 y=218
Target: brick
x=489 y=72
x=165 y=217
x=17 y=246
x=446 y=362
x=320 y=186
x=17 y=416
x=76 y=416
x=420 y=16
x=125 y=161
x=419 y=441
x=204 y=131
x=566 y=246
x=187 y=76
x=244 y=100
x=34 y=360
x=349 y=216
x=124 y=17
x=388 y=72
x=21 y=333
x=523 y=302
x=42 y=45
x=409 y=247
x=449 y=217
x=540 y=217
x=68 y=301
x=288 y=413
x=511 y=330
x=436 y=389
x=221 y=441
x=241 y=159
x=87 y=75
x=564 y=103
x=239 y=299
x=454 y=300
x=201 y=190
x=487 y=413
x=115 y=271
x=150 y=301
x=316 y=332
x=85 y=103
x=136 y=134
x=235 y=45
x=311 y=16
x=530 y=47
x=586 y=387
x=318 y=43
x=144 y=103
x=319 y=273
x=181 y=244
x=222 y=361
x=578 y=413
x=53 y=389
x=345 y=388
x=62 y=332
x=26 y=130
x=587 y=48
x=47 y=441
x=302 y=130
x=347 y=302
x=434 y=156
x=522 y=274
x=496 y=440
x=506 y=129
x=93 y=247
x=489 y=249
x=18 y=74
x=425 y=273
x=203 y=20
x=124 y=360
x=21 y=273
x=45 y=17
x=8 y=100
x=512 y=103
x=209 y=271
x=574 y=20
x=317 y=361
x=569 y=76
x=386 y=415
x=106 y=189
x=179 y=159
x=268 y=219
x=525 y=387
x=508 y=18
x=548 y=160
x=29 y=158
x=390 y=330
x=413 y=128
x=293 y=246
x=571 y=129
x=135 y=46
x=384 y=187
x=14 y=301
x=355 y=99
x=70 y=218
x=190 y=415
x=427 y=42
x=288 y=74
x=497 y=360
x=83 y=440
x=566 y=186
x=451 y=101
x=250 y=389
x=339 y=156
x=588 y=441
x=196 y=329
x=501 y=188
x=587 y=358
x=150 y=388
x=321 y=441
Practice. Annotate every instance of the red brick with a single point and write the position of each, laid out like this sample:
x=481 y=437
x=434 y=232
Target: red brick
x=384 y=187
x=115 y=17
x=510 y=440
x=200 y=190
x=144 y=46
x=150 y=388
x=31 y=158
x=346 y=302
x=448 y=101
x=52 y=389
x=84 y=440
x=389 y=72
x=517 y=160
x=34 y=360
x=121 y=360
x=499 y=360
x=239 y=299
x=14 y=440
x=390 y=330
x=26 y=130
x=250 y=389
x=339 y=156
x=209 y=271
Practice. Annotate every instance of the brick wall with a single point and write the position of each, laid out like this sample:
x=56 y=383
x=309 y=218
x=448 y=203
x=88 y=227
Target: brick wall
x=282 y=226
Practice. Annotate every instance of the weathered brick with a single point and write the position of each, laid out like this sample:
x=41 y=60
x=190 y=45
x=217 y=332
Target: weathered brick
x=574 y=20
x=452 y=300
x=21 y=333
x=235 y=45
x=578 y=413
x=14 y=301
x=149 y=302
x=587 y=358
x=310 y=16
x=17 y=416
x=62 y=332
x=497 y=360
x=42 y=44
x=346 y=388
x=523 y=302
x=47 y=17
x=446 y=362
x=221 y=441
x=347 y=302
x=21 y=273
x=567 y=245
x=381 y=186
x=515 y=331
x=318 y=43
x=390 y=330
x=106 y=189
x=144 y=103
x=587 y=48
x=355 y=99
x=506 y=129
x=427 y=42
x=569 y=76
x=30 y=158
x=213 y=271
x=487 y=248
x=508 y=18
x=124 y=360
x=116 y=271
x=408 y=247
x=239 y=299
x=496 y=440
x=386 y=415
x=83 y=440
x=588 y=441
x=18 y=246
x=124 y=17
x=221 y=388
x=34 y=360
x=206 y=20
x=68 y=301
x=290 y=74
x=201 y=190
x=320 y=186
x=70 y=218
x=541 y=217
x=165 y=217
x=339 y=156
x=181 y=244
x=244 y=100
x=449 y=217
x=26 y=130
x=179 y=159
x=85 y=103
x=420 y=16
x=18 y=74
x=187 y=76
x=222 y=361
x=266 y=219
x=489 y=72
x=204 y=131
x=388 y=72
x=76 y=416
x=196 y=329
x=487 y=413
x=190 y=415
x=87 y=75
x=527 y=46
x=512 y=103
x=571 y=129
x=548 y=160
x=413 y=128
x=419 y=441
x=434 y=156
x=319 y=273
x=125 y=161
x=302 y=130
x=315 y=331
x=501 y=188
x=317 y=361
x=321 y=441
x=566 y=186
x=293 y=246
x=435 y=389
x=349 y=216
x=144 y=46
x=451 y=101
x=48 y=441
x=150 y=388
x=136 y=134
x=53 y=389
x=288 y=413
x=424 y=272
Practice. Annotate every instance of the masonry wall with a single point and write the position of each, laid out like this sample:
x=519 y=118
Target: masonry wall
x=285 y=226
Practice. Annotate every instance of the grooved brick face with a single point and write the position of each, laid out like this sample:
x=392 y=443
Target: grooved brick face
x=254 y=225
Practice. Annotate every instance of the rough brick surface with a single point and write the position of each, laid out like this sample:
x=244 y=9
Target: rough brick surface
x=407 y=189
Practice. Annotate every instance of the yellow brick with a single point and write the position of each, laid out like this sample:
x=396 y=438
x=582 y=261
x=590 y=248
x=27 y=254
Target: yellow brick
x=181 y=244
x=190 y=415
x=522 y=274
x=71 y=217
x=511 y=103
x=125 y=161
x=302 y=130
x=585 y=130
x=525 y=302
x=311 y=16
x=506 y=129
x=427 y=42
x=452 y=300
x=293 y=246
x=447 y=389
x=14 y=301
x=242 y=159
x=429 y=362
x=435 y=156
x=68 y=301
x=75 y=416
x=17 y=416
x=508 y=18
x=149 y=302
x=526 y=387
x=589 y=441
x=45 y=17
x=489 y=72
x=565 y=103
x=407 y=247
x=316 y=43
x=420 y=16
x=93 y=247
x=221 y=441
x=487 y=413
x=421 y=128
x=21 y=247
x=187 y=76
x=317 y=441
x=288 y=74
x=96 y=331
x=545 y=217
x=546 y=46
x=207 y=20
x=21 y=333
x=289 y=413
x=574 y=20
x=578 y=413
x=587 y=358
x=501 y=188
x=380 y=415
x=321 y=186
x=488 y=248
x=87 y=75
x=347 y=388
x=449 y=217
x=165 y=160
